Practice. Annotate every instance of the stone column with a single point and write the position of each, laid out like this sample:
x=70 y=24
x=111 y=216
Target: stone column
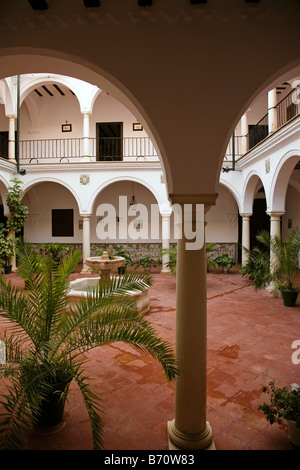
x=165 y=222
x=244 y=133
x=272 y=110
x=245 y=235
x=189 y=429
x=275 y=229
x=86 y=241
x=11 y=139
x=86 y=137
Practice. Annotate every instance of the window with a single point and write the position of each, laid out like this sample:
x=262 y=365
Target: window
x=62 y=223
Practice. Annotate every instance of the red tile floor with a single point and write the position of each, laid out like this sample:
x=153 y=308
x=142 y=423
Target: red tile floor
x=249 y=343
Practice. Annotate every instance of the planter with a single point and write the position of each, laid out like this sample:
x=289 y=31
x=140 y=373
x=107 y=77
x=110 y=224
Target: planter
x=53 y=406
x=289 y=298
x=294 y=433
x=7 y=269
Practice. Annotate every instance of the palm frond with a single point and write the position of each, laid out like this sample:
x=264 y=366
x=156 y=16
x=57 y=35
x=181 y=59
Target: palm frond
x=92 y=403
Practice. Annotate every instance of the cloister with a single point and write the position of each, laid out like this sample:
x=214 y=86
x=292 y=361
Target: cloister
x=174 y=102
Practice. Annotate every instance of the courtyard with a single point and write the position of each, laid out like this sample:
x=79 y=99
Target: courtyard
x=249 y=343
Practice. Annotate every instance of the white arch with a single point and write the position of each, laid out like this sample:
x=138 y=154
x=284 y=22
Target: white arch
x=30 y=60
x=84 y=92
x=249 y=190
x=280 y=181
x=233 y=190
x=117 y=179
x=44 y=179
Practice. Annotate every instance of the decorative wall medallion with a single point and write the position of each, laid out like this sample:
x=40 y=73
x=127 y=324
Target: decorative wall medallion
x=84 y=179
x=267 y=166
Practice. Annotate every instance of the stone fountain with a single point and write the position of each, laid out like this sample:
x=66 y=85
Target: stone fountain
x=104 y=265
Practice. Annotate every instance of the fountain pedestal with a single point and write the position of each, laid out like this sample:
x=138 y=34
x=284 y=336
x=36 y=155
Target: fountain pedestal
x=103 y=264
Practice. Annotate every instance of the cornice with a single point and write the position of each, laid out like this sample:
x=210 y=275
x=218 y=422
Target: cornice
x=87 y=167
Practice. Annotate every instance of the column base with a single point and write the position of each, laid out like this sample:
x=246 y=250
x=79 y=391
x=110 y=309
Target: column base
x=85 y=270
x=178 y=440
x=166 y=271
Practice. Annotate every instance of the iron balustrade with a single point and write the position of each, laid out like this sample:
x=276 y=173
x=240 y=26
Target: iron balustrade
x=35 y=150
x=288 y=107
x=103 y=149
x=258 y=132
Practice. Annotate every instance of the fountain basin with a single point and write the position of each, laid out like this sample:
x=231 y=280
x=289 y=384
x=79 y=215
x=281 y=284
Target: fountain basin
x=80 y=288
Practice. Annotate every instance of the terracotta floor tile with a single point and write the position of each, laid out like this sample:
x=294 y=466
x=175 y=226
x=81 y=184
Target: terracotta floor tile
x=249 y=343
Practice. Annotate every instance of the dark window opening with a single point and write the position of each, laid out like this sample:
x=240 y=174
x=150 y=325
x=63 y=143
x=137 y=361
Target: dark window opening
x=62 y=223
x=109 y=141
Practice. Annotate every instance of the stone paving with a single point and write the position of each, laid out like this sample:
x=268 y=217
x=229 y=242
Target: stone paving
x=249 y=343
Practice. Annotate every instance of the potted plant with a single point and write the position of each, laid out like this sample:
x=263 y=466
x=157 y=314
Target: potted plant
x=282 y=257
x=125 y=254
x=225 y=261
x=7 y=247
x=47 y=337
x=284 y=403
x=55 y=250
x=257 y=266
x=146 y=263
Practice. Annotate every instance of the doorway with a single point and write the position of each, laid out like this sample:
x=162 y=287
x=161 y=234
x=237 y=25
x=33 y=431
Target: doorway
x=109 y=141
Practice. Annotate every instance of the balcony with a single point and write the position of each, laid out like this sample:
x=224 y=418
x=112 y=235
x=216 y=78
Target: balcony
x=284 y=112
x=127 y=149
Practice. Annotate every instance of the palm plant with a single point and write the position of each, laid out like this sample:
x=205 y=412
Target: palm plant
x=277 y=262
x=285 y=266
x=46 y=336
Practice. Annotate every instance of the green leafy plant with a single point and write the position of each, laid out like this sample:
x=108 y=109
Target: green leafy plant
x=257 y=266
x=172 y=252
x=146 y=262
x=18 y=211
x=7 y=245
x=284 y=403
x=124 y=254
x=225 y=261
x=282 y=268
x=47 y=335
x=54 y=249
x=210 y=261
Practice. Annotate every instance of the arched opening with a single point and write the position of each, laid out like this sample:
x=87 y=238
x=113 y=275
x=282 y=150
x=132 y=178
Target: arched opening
x=53 y=214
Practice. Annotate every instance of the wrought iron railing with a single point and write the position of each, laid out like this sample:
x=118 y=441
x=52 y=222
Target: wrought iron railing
x=103 y=149
x=288 y=108
x=258 y=132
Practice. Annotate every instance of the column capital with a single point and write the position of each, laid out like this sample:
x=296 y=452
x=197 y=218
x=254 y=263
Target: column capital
x=85 y=216
x=246 y=214
x=275 y=214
